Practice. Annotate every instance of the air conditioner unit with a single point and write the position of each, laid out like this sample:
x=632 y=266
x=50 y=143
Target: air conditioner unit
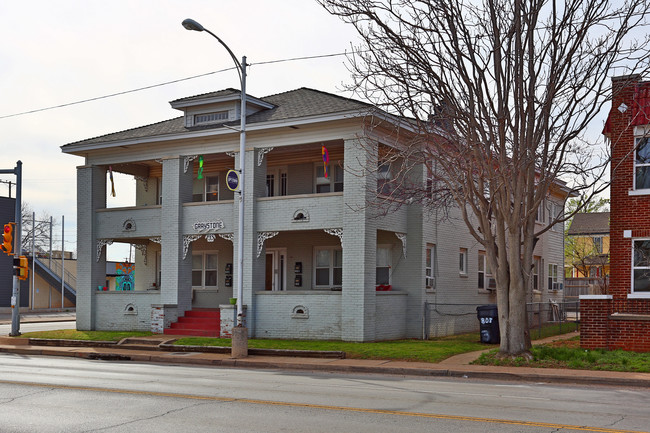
x=431 y=282
x=492 y=284
x=558 y=286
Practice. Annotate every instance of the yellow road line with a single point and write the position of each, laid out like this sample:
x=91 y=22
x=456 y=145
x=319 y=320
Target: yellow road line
x=326 y=407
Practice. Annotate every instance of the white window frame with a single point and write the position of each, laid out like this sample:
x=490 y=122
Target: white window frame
x=204 y=269
x=388 y=265
x=205 y=194
x=554 y=212
x=598 y=244
x=541 y=212
x=537 y=264
x=462 y=262
x=211 y=117
x=333 y=170
x=384 y=177
x=430 y=267
x=280 y=179
x=331 y=267
x=638 y=165
x=485 y=273
x=634 y=268
x=552 y=277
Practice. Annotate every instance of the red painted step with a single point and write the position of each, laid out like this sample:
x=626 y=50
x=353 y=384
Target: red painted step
x=200 y=323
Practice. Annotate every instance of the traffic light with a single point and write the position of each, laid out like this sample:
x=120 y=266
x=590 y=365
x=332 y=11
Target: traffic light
x=21 y=265
x=7 y=238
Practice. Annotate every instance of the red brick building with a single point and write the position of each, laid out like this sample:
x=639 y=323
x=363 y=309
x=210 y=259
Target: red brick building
x=621 y=319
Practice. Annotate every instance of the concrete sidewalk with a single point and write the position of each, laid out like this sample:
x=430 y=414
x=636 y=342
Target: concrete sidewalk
x=456 y=366
x=32 y=316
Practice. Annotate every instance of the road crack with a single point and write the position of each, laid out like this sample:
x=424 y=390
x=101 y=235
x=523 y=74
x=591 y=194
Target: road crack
x=180 y=409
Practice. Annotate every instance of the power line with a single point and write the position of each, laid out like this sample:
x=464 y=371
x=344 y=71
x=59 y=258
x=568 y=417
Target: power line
x=38 y=110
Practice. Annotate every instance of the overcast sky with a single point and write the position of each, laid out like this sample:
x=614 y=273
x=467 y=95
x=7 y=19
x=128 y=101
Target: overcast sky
x=58 y=52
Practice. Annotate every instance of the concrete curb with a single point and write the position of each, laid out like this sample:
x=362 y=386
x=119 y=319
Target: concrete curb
x=343 y=366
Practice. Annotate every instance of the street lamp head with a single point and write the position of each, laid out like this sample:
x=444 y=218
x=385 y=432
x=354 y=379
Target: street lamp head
x=190 y=24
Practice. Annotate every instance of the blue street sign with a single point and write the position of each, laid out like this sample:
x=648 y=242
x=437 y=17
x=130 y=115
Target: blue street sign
x=232 y=180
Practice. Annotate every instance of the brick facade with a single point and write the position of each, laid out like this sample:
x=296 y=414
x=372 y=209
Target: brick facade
x=622 y=321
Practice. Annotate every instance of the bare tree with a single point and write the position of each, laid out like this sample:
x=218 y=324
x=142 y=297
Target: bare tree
x=38 y=230
x=502 y=93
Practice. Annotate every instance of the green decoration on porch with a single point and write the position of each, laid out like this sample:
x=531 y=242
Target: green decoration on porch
x=200 y=176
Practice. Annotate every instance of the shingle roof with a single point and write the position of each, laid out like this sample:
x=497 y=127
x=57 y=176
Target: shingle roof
x=593 y=223
x=303 y=102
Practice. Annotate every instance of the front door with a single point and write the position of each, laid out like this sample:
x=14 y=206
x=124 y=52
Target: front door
x=276 y=269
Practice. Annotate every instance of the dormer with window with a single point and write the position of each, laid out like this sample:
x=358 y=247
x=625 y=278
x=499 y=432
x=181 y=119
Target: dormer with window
x=217 y=108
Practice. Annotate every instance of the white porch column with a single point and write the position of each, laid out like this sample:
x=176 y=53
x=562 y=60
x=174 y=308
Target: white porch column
x=176 y=271
x=359 y=243
x=91 y=272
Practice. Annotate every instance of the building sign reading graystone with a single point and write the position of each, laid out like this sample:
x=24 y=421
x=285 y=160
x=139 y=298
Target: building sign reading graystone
x=204 y=226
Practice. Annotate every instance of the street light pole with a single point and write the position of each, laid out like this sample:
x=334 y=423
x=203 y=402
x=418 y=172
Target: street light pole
x=190 y=24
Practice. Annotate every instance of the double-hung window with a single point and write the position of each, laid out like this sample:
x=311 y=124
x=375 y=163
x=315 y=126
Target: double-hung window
x=430 y=267
x=383 y=265
x=334 y=180
x=536 y=268
x=384 y=178
x=328 y=267
x=552 y=277
x=485 y=278
x=206 y=189
x=642 y=164
x=641 y=265
x=598 y=244
x=204 y=270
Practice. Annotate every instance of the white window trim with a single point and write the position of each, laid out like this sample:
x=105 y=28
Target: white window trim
x=432 y=266
x=389 y=247
x=277 y=173
x=331 y=267
x=331 y=177
x=635 y=165
x=632 y=268
x=204 y=255
x=482 y=255
x=555 y=278
x=462 y=255
x=205 y=188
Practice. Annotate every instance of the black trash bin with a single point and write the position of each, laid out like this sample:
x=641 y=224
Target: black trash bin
x=488 y=317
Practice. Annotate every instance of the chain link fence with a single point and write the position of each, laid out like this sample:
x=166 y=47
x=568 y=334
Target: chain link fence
x=443 y=319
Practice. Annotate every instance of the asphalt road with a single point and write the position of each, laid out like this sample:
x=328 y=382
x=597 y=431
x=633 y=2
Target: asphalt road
x=50 y=394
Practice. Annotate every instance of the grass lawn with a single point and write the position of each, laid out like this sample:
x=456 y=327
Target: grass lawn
x=73 y=334
x=407 y=350
x=568 y=354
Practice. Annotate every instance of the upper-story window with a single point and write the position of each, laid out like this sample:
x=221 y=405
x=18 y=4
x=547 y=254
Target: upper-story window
x=539 y=216
x=536 y=268
x=598 y=244
x=384 y=177
x=206 y=118
x=206 y=189
x=276 y=182
x=334 y=180
x=641 y=265
x=554 y=213
x=642 y=164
